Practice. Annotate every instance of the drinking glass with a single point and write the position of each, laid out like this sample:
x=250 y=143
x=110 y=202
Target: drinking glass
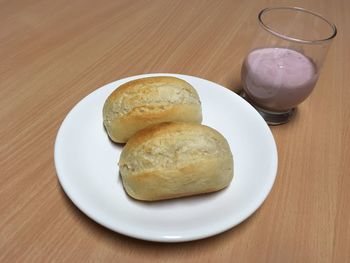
x=284 y=62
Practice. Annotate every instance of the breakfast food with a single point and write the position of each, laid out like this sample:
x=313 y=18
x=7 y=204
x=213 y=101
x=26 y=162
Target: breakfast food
x=143 y=102
x=171 y=160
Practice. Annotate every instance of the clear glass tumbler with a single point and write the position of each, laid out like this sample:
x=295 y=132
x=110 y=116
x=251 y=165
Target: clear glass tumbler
x=285 y=59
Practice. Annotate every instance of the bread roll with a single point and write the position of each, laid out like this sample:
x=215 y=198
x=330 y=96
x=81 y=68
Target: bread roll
x=172 y=160
x=147 y=101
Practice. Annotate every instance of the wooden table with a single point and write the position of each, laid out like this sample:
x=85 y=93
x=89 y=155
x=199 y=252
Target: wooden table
x=53 y=53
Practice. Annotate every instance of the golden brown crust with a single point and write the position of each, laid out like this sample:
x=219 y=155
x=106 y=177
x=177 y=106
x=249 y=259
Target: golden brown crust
x=149 y=81
x=171 y=160
x=147 y=101
x=167 y=128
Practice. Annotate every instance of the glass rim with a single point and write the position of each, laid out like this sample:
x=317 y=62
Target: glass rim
x=286 y=37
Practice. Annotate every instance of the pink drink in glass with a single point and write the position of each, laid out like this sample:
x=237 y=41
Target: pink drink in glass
x=278 y=78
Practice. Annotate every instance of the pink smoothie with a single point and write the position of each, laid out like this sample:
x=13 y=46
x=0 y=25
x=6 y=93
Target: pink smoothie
x=278 y=78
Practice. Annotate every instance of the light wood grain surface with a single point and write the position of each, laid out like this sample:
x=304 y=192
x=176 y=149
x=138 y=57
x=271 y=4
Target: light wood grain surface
x=53 y=53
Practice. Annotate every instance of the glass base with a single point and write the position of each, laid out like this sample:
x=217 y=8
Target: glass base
x=271 y=117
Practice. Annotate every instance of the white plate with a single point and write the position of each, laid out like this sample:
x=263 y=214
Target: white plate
x=86 y=164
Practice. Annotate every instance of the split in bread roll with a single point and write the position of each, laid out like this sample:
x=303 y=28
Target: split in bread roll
x=171 y=160
x=143 y=102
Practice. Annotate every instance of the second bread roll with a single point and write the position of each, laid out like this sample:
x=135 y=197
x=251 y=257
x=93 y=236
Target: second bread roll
x=147 y=101
x=172 y=160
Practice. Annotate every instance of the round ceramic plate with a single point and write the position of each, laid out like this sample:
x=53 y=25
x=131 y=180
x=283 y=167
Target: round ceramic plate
x=86 y=163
